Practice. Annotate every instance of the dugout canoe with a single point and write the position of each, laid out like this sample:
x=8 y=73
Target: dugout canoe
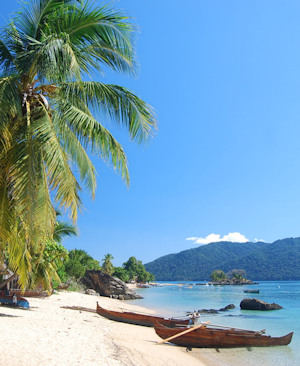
x=139 y=319
x=32 y=293
x=219 y=337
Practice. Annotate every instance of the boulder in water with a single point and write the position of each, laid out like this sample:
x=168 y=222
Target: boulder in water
x=256 y=304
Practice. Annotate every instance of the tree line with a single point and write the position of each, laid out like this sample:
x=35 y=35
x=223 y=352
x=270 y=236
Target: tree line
x=79 y=261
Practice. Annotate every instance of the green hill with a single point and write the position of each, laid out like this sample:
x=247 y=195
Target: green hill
x=261 y=261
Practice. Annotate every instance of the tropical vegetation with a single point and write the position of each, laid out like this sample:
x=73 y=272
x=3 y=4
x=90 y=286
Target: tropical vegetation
x=107 y=266
x=234 y=276
x=52 y=117
x=79 y=261
x=218 y=275
x=136 y=271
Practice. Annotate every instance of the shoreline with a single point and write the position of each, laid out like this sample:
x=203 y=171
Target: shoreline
x=47 y=334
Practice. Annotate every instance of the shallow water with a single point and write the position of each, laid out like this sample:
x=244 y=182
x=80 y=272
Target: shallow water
x=177 y=299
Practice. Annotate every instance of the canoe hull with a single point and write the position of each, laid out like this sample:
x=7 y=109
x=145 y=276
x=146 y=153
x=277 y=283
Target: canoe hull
x=139 y=319
x=208 y=337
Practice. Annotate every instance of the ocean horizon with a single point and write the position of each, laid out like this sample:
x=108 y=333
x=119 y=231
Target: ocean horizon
x=178 y=298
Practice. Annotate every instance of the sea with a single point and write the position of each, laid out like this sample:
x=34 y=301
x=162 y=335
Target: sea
x=179 y=298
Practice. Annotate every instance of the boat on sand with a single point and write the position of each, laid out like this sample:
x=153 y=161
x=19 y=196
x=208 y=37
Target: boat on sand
x=139 y=318
x=11 y=301
x=204 y=336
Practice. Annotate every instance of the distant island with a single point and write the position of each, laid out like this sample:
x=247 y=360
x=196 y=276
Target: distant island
x=277 y=261
x=233 y=277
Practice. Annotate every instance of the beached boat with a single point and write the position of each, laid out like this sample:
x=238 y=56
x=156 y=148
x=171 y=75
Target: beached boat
x=31 y=293
x=143 y=285
x=10 y=301
x=218 y=337
x=138 y=318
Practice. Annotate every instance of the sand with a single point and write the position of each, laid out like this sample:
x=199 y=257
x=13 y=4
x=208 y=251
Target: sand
x=48 y=335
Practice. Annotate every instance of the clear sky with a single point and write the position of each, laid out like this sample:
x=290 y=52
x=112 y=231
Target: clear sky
x=224 y=80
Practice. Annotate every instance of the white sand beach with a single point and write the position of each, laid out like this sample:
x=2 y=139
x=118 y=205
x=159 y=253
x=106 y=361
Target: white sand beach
x=48 y=335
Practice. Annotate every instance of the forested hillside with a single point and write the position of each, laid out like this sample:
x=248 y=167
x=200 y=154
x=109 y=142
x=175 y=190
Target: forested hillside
x=261 y=261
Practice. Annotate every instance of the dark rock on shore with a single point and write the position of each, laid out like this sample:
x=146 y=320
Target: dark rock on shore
x=106 y=285
x=256 y=304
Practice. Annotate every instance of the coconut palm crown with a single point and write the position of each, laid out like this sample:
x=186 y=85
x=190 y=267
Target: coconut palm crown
x=51 y=117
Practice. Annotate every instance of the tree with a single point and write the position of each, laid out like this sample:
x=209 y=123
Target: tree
x=218 y=275
x=79 y=262
x=136 y=270
x=238 y=274
x=107 y=266
x=46 y=265
x=62 y=229
x=121 y=273
x=49 y=115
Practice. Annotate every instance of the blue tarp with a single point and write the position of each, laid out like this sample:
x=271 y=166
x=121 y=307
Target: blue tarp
x=9 y=301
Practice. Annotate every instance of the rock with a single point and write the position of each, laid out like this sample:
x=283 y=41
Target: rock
x=228 y=307
x=256 y=304
x=108 y=286
x=90 y=291
x=208 y=311
x=214 y=311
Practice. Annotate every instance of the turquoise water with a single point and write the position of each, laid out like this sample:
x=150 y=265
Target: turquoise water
x=177 y=299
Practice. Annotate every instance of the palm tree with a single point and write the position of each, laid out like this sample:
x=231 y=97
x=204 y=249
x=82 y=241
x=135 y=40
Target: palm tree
x=107 y=266
x=46 y=263
x=62 y=229
x=51 y=116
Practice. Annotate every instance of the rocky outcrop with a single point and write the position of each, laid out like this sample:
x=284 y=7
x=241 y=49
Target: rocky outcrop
x=228 y=307
x=106 y=285
x=214 y=311
x=256 y=304
x=233 y=281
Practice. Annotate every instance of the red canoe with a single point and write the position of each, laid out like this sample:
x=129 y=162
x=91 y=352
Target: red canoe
x=219 y=337
x=139 y=319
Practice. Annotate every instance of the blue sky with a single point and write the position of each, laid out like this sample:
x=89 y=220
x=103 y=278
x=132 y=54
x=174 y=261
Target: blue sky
x=224 y=80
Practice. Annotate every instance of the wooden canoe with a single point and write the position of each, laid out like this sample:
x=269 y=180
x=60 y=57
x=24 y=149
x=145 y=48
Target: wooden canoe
x=138 y=318
x=220 y=337
x=31 y=293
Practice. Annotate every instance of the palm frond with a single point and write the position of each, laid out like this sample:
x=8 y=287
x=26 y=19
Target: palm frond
x=78 y=154
x=10 y=101
x=6 y=58
x=119 y=103
x=35 y=14
x=60 y=176
x=93 y=134
x=63 y=229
